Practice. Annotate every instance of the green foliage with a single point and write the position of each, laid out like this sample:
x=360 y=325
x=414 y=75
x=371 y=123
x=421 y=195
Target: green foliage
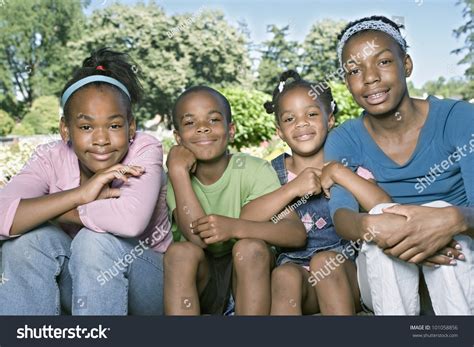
x=174 y=53
x=253 y=124
x=6 y=123
x=43 y=116
x=319 y=58
x=33 y=37
x=22 y=129
x=278 y=55
x=467 y=29
x=348 y=108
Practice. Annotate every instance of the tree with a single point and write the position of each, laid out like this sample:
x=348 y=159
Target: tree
x=43 y=116
x=6 y=123
x=278 y=54
x=319 y=59
x=468 y=30
x=33 y=36
x=172 y=53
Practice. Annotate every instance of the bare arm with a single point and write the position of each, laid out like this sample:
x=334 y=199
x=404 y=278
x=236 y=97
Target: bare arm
x=367 y=193
x=189 y=206
x=263 y=208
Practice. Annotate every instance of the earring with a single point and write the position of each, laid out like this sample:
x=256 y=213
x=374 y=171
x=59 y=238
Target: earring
x=131 y=140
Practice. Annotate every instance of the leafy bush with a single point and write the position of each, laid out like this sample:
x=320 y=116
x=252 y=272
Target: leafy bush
x=348 y=108
x=253 y=124
x=6 y=123
x=43 y=115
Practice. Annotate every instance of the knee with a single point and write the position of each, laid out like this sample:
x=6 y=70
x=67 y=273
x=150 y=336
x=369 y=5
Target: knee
x=251 y=252
x=46 y=239
x=283 y=275
x=92 y=248
x=182 y=254
x=325 y=259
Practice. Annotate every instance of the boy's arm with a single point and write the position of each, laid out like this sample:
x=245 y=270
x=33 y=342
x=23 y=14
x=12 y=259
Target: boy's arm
x=367 y=193
x=289 y=232
x=187 y=208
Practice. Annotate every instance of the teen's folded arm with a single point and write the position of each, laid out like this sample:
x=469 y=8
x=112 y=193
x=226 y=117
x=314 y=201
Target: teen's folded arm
x=129 y=215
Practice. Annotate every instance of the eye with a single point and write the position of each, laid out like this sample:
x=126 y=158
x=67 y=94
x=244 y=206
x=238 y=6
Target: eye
x=288 y=119
x=385 y=61
x=116 y=126
x=214 y=120
x=354 y=72
x=85 y=127
x=313 y=114
x=188 y=123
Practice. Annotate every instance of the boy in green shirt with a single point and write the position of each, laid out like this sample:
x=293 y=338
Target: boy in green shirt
x=210 y=195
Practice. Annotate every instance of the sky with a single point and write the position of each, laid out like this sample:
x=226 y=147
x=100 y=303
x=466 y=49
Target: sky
x=429 y=23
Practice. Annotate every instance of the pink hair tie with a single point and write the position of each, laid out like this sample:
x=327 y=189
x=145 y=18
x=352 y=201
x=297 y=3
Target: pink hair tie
x=100 y=67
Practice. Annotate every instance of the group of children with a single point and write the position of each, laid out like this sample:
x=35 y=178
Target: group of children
x=105 y=186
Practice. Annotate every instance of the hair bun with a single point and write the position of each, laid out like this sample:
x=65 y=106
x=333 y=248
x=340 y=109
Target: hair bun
x=269 y=107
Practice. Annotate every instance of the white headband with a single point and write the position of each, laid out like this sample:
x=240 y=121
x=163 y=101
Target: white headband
x=370 y=25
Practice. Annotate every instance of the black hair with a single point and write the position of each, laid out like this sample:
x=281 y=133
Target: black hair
x=325 y=95
x=195 y=89
x=384 y=19
x=113 y=64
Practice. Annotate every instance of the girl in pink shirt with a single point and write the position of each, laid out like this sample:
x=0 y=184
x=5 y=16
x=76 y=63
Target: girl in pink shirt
x=85 y=223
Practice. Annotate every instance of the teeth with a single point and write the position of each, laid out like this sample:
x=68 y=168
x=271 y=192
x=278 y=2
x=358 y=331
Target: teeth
x=373 y=96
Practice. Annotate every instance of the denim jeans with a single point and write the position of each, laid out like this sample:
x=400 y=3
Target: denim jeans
x=34 y=268
x=45 y=273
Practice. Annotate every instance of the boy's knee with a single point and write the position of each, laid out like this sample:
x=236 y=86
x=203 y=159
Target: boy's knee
x=251 y=252
x=182 y=254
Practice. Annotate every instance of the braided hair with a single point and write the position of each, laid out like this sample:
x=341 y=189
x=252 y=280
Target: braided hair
x=325 y=96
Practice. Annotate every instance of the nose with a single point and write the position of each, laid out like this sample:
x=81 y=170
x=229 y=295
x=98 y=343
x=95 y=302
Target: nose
x=203 y=128
x=371 y=75
x=301 y=122
x=101 y=137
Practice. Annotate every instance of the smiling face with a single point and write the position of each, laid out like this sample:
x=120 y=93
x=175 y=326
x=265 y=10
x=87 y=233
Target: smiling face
x=303 y=122
x=98 y=127
x=378 y=81
x=202 y=125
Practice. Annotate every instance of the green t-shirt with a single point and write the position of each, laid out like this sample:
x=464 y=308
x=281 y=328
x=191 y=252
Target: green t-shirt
x=245 y=179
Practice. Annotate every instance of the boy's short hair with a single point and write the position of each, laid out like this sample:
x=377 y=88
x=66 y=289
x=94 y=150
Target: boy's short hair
x=195 y=89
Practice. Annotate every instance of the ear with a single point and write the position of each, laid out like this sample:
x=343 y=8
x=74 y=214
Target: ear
x=132 y=128
x=64 y=130
x=231 y=132
x=177 y=137
x=331 y=121
x=408 y=65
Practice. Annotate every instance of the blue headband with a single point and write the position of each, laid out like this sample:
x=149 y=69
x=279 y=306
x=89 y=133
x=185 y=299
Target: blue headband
x=95 y=78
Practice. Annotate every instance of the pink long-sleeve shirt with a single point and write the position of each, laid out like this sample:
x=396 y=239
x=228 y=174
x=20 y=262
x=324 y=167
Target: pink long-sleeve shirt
x=139 y=212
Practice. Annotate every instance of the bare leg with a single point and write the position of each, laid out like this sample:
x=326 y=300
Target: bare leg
x=253 y=261
x=186 y=273
x=292 y=294
x=337 y=292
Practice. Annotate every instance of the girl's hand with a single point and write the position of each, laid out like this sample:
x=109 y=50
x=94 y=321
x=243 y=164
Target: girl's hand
x=307 y=182
x=182 y=158
x=327 y=176
x=97 y=187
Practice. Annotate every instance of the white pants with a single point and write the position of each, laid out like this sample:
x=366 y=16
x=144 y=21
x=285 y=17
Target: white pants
x=389 y=286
